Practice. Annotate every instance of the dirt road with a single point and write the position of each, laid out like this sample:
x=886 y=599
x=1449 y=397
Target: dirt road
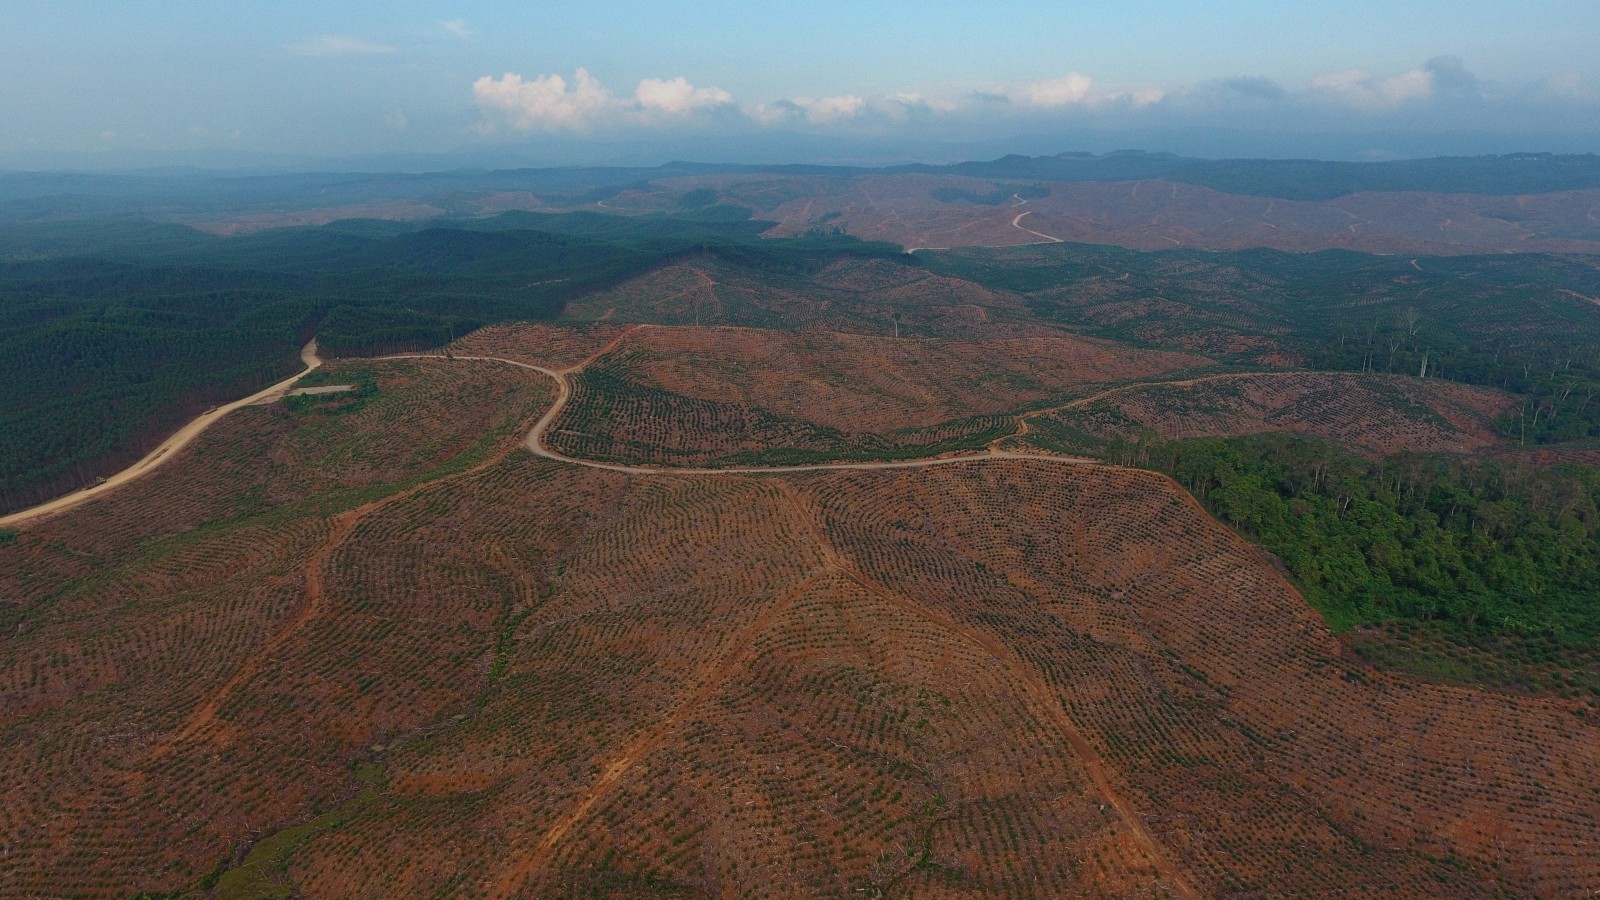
x=168 y=449
x=1048 y=238
x=536 y=446
x=202 y=722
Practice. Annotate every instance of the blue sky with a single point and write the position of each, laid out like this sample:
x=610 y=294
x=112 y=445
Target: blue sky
x=125 y=79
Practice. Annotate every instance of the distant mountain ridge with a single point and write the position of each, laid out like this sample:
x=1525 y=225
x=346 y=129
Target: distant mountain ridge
x=197 y=195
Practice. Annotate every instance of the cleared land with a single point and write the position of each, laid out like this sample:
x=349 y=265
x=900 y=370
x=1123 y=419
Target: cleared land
x=858 y=296
x=472 y=670
x=1375 y=414
x=738 y=396
x=918 y=210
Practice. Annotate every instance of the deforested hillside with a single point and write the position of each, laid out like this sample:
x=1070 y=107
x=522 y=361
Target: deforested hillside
x=400 y=639
x=1376 y=414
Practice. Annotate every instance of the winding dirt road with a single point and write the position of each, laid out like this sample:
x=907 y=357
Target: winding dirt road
x=509 y=883
x=536 y=446
x=535 y=440
x=169 y=448
x=512 y=881
x=1017 y=224
x=203 y=721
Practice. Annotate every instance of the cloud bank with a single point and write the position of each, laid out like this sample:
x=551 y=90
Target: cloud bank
x=1441 y=85
x=551 y=103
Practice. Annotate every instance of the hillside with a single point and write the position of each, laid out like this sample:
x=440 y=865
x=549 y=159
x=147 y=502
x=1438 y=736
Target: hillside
x=943 y=212
x=1374 y=414
x=626 y=551
x=367 y=642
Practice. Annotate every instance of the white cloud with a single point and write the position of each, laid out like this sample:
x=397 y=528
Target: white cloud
x=545 y=103
x=894 y=109
x=550 y=103
x=396 y=121
x=553 y=103
x=1070 y=88
x=457 y=27
x=333 y=45
x=828 y=110
x=1359 y=88
x=677 y=97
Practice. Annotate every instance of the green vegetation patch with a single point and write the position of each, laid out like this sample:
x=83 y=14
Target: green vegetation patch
x=337 y=403
x=120 y=334
x=1494 y=554
x=264 y=872
x=1436 y=652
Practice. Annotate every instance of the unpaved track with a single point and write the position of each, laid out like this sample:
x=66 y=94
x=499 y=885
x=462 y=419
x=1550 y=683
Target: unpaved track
x=510 y=883
x=711 y=678
x=202 y=723
x=169 y=448
x=535 y=441
x=1017 y=224
x=1043 y=694
x=1048 y=238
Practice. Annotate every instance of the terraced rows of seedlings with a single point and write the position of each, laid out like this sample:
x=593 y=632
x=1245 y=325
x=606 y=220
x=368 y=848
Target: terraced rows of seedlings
x=613 y=416
x=873 y=384
x=856 y=747
x=696 y=699
x=404 y=428
x=1261 y=757
x=551 y=346
x=997 y=677
x=127 y=716
x=1376 y=414
x=867 y=296
x=705 y=292
x=646 y=605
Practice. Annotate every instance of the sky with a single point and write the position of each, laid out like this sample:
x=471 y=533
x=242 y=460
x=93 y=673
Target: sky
x=137 y=82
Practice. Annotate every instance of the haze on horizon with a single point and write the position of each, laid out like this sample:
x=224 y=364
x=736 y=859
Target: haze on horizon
x=87 y=84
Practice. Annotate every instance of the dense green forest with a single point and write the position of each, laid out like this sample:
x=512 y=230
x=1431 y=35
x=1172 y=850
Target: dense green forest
x=1482 y=550
x=103 y=352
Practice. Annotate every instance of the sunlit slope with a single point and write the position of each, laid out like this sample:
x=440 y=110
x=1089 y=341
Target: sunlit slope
x=473 y=671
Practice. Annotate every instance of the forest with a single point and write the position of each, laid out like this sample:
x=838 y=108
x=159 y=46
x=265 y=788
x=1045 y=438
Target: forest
x=113 y=334
x=1498 y=546
x=1523 y=323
